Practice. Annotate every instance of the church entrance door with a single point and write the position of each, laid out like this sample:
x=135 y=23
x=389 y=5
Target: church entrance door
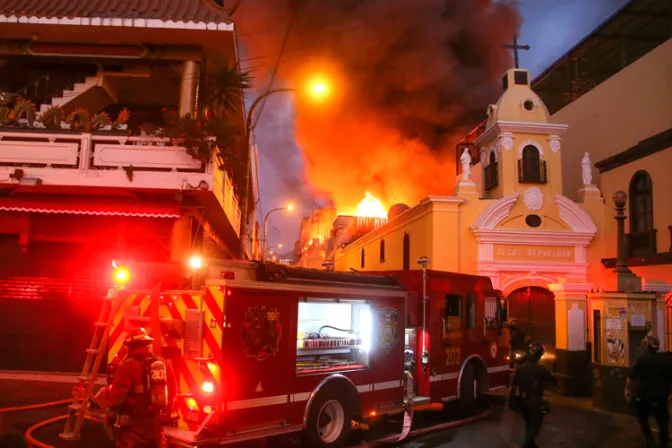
x=534 y=308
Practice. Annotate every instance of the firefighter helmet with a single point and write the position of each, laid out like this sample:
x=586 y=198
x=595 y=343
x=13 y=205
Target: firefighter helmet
x=651 y=343
x=138 y=337
x=535 y=351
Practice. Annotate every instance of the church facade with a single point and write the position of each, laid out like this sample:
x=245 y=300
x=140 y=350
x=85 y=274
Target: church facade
x=509 y=220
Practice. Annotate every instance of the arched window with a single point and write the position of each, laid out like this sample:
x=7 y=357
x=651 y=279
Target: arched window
x=407 y=251
x=362 y=262
x=382 y=251
x=491 y=175
x=531 y=168
x=641 y=203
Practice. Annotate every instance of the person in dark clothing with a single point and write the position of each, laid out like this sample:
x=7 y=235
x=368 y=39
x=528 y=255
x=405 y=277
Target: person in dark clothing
x=519 y=341
x=647 y=387
x=531 y=379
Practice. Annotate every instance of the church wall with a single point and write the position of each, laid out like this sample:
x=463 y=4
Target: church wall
x=419 y=227
x=658 y=166
x=433 y=230
x=631 y=106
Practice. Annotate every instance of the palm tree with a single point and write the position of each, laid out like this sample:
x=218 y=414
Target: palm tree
x=224 y=86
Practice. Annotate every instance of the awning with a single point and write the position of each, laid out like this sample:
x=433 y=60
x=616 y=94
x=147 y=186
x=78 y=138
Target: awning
x=98 y=207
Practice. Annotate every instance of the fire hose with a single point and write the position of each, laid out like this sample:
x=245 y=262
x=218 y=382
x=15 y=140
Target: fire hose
x=32 y=442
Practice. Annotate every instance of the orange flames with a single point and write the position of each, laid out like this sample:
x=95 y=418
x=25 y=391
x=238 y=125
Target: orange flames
x=371 y=207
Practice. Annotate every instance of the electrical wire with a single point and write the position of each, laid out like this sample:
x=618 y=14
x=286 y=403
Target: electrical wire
x=277 y=66
x=408 y=168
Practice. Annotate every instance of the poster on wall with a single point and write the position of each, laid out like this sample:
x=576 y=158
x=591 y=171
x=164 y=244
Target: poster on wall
x=638 y=312
x=614 y=319
x=615 y=327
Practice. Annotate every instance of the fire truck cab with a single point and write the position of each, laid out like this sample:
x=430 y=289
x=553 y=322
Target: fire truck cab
x=263 y=349
x=465 y=352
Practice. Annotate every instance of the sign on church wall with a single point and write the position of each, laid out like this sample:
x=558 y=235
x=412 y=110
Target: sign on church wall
x=512 y=252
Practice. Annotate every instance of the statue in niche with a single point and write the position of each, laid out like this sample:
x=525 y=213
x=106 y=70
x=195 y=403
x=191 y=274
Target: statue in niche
x=586 y=170
x=465 y=158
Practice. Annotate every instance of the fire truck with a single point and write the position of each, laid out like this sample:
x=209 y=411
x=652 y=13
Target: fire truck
x=263 y=349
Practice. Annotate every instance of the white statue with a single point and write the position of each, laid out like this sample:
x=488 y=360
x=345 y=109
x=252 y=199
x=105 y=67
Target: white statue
x=586 y=170
x=465 y=158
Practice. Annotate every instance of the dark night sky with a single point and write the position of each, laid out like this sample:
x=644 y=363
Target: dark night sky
x=550 y=27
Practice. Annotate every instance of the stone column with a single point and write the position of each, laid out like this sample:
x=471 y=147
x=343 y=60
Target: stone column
x=191 y=74
x=572 y=364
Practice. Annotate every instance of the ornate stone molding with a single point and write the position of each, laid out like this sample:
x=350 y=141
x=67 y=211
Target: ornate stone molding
x=554 y=143
x=532 y=143
x=506 y=141
x=574 y=216
x=534 y=198
x=495 y=213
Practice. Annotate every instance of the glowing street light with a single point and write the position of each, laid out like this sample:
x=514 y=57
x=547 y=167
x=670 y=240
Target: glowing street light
x=289 y=207
x=317 y=89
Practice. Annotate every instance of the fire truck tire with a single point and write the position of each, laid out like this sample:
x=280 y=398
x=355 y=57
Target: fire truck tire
x=469 y=388
x=329 y=420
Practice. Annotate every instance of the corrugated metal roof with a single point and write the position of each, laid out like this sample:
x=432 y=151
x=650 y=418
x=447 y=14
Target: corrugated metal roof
x=199 y=11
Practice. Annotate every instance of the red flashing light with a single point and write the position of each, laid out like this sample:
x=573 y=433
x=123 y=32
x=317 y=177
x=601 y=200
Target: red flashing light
x=121 y=276
x=227 y=275
x=208 y=387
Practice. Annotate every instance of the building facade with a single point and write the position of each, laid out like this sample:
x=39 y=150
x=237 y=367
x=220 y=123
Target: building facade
x=95 y=103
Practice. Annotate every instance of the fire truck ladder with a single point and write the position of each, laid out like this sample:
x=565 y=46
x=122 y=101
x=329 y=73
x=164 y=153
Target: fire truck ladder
x=83 y=394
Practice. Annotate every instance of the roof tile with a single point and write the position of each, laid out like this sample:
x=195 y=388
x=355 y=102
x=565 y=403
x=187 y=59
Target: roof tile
x=176 y=10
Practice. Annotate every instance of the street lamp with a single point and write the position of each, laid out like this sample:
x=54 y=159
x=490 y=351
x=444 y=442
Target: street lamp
x=318 y=88
x=270 y=249
x=289 y=207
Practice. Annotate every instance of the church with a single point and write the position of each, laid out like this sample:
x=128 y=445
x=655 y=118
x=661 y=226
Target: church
x=508 y=218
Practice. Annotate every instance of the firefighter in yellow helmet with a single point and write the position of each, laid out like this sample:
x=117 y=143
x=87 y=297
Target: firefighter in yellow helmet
x=138 y=398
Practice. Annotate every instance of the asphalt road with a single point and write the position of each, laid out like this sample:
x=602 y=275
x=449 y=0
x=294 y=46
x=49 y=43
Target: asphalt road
x=571 y=423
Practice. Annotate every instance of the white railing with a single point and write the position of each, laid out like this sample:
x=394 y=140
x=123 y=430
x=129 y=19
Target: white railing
x=95 y=160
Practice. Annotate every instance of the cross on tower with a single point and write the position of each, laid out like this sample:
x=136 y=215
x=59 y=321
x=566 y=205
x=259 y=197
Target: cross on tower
x=515 y=47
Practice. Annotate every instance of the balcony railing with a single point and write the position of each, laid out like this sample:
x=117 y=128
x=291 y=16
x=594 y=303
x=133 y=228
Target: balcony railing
x=71 y=158
x=530 y=174
x=491 y=176
x=642 y=244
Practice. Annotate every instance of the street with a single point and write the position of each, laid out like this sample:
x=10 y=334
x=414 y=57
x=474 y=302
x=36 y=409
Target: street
x=572 y=422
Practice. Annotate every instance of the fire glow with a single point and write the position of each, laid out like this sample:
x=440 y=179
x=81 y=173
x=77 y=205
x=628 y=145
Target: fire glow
x=371 y=207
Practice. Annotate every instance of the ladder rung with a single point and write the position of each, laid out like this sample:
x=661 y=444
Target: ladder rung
x=93 y=351
x=101 y=324
x=83 y=378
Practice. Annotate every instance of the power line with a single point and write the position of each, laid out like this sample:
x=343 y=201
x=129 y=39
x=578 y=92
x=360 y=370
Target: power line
x=277 y=66
x=408 y=168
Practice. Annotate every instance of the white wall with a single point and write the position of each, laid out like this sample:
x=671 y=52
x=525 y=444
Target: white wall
x=631 y=106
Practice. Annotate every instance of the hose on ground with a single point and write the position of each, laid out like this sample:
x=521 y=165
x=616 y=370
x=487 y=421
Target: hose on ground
x=32 y=441
x=29 y=407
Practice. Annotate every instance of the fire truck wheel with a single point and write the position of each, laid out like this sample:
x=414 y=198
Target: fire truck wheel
x=469 y=388
x=329 y=421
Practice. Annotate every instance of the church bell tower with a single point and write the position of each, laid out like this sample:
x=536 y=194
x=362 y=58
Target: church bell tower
x=520 y=148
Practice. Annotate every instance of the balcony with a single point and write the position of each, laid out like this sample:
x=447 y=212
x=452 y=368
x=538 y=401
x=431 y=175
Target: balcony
x=532 y=174
x=641 y=244
x=86 y=160
x=491 y=176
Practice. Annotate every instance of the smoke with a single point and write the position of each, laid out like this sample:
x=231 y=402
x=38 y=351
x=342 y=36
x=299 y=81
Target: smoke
x=408 y=79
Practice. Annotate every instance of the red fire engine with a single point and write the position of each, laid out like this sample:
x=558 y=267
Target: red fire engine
x=263 y=349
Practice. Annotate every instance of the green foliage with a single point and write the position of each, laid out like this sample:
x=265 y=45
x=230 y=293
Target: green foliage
x=223 y=86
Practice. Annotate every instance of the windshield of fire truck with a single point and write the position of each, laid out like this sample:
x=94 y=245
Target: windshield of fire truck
x=333 y=336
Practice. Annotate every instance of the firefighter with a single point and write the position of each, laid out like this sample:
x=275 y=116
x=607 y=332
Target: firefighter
x=531 y=379
x=519 y=341
x=651 y=375
x=138 y=398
